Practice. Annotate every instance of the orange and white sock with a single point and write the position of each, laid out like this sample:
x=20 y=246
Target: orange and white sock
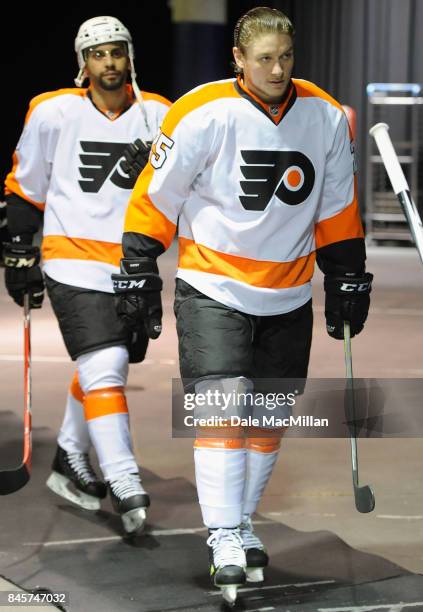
x=73 y=435
x=107 y=417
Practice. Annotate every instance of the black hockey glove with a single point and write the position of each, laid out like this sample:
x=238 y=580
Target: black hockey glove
x=347 y=299
x=23 y=274
x=136 y=157
x=139 y=300
x=138 y=344
x=4 y=232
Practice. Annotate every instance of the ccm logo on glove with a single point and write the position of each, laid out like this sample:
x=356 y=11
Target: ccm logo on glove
x=19 y=262
x=347 y=299
x=21 y=256
x=23 y=274
x=127 y=285
x=138 y=301
x=354 y=287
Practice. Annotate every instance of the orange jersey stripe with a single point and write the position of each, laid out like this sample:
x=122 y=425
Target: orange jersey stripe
x=141 y=212
x=75 y=388
x=148 y=95
x=265 y=274
x=305 y=89
x=63 y=247
x=102 y=402
x=351 y=116
x=343 y=226
x=12 y=186
x=11 y=183
x=75 y=91
x=195 y=99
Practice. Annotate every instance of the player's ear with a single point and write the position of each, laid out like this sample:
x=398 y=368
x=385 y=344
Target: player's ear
x=238 y=57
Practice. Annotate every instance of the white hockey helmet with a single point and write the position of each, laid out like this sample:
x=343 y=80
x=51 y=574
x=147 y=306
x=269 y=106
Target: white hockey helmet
x=102 y=30
x=97 y=31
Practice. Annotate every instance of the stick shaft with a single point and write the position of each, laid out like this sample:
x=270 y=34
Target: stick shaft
x=14 y=479
x=27 y=384
x=350 y=389
x=399 y=183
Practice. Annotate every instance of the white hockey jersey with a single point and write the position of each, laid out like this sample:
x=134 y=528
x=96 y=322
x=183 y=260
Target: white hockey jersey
x=254 y=189
x=67 y=164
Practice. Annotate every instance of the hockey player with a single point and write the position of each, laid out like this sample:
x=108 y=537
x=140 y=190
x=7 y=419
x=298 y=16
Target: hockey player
x=257 y=174
x=67 y=169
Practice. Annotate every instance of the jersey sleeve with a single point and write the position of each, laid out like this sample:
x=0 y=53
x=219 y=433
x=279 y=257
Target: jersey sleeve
x=23 y=219
x=339 y=232
x=33 y=158
x=178 y=154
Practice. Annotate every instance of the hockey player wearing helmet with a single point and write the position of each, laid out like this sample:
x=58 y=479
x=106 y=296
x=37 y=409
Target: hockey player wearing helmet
x=67 y=170
x=256 y=174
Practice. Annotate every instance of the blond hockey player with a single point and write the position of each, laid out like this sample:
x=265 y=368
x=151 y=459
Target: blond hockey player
x=257 y=175
x=67 y=169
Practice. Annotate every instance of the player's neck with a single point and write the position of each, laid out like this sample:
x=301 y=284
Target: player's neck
x=113 y=101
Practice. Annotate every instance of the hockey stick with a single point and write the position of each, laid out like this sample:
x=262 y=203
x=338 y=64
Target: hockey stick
x=14 y=479
x=398 y=182
x=364 y=496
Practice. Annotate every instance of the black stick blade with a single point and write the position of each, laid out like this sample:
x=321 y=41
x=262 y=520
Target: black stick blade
x=13 y=480
x=364 y=499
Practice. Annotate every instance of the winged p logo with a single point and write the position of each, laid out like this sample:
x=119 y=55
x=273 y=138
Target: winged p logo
x=289 y=175
x=99 y=162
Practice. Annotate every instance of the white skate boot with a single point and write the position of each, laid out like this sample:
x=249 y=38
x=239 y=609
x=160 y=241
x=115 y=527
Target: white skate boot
x=255 y=552
x=227 y=562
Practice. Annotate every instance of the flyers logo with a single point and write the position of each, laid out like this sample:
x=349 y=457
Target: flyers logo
x=289 y=175
x=100 y=161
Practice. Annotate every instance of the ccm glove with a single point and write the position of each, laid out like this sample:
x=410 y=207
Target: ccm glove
x=23 y=274
x=347 y=299
x=136 y=157
x=4 y=232
x=138 y=287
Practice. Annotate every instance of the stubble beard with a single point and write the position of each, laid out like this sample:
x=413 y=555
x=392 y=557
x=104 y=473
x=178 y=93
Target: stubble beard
x=112 y=85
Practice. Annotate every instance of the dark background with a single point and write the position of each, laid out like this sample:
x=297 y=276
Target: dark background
x=340 y=44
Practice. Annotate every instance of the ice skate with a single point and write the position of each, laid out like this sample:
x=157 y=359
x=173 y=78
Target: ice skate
x=130 y=500
x=255 y=552
x=74 y=479
x=227 y=562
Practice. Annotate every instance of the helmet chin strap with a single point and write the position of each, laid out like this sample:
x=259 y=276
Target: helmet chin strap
x=138 y=94
x=80 y=78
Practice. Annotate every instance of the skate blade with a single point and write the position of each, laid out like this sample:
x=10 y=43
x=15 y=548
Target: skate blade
x=60 y=485
x=229 y=594
x=134 y=521
x=255 y=574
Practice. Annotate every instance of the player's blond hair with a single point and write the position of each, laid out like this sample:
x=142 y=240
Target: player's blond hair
x=257 y=21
